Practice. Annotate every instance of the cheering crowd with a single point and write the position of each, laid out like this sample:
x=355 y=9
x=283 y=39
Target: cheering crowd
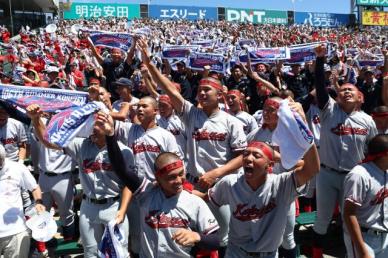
x=194 y=162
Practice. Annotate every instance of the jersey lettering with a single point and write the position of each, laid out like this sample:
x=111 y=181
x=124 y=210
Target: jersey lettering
x=380 y=196
x=90 y=166
x=244 y=213
x=206 y=136
x=8 y=141
x=341 y=129
x=174 y=131
x=138 y=148
x=161 y=220
x=316 y=120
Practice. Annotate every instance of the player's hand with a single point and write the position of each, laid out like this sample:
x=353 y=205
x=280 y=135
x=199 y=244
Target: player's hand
x=94 y=93
x=186 y=237
x=297 y=107
x=34 y=111
x=208 y=179
x=320 y=51
x=120 y=216
x=105 y=123
x=40 y=208
x=143 y=48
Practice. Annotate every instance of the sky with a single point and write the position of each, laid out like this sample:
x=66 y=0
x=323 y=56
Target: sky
x=330 y=6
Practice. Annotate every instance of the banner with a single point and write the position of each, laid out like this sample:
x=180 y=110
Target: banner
x=375 y=18
x=373 y=2
x=373 y=63
x=326 y=20
x=179 y=51
x=182 y=12
x=257 y=16
x=68 y=124
x=50 y=100
x=198 y=60
x=113 y=40
x=304 y=53
x=89 y=10
x=204 y=43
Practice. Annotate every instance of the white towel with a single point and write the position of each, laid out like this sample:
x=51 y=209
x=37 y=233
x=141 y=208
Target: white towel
x=292 y=135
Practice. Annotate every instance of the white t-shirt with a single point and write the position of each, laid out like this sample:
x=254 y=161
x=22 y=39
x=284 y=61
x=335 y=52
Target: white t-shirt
x=13 y=178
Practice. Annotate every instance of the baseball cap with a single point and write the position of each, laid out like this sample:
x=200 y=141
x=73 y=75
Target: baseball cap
x=123 y=82
x=52 y=69
x=43 y=226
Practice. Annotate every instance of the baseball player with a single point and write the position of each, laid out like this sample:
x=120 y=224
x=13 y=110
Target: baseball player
x=264 y=134
x=168 y=120
x=105 y=198
x=380 y=116
x=147 y=139
x=172 y=220
x=234 y=102
x=259 y=201
x=365 y=207
x=344 y=133
x=14 y=236
x=215 y=138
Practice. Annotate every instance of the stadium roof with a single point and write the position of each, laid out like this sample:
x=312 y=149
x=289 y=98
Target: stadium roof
x=29 y=5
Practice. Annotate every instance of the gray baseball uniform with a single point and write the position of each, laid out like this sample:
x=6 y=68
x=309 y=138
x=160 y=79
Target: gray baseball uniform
x=174 y=125
x=342 y=144
x=211 y=140
x=161 y=217
x=258 y=217
x=146 y=145
x=98 y=182
x=11 y=135
x=249 y=122
x=366 y=187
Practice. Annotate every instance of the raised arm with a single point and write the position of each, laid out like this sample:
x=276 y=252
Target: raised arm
x=34 y=112
x=167 y=86
x=99 y=58
x=322 y=95
x=129 y=178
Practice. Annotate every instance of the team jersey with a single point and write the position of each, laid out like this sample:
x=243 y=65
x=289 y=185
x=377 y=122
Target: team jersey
x=344 y=136
x=249 y=122
x=313 y=122
x=174 y=125
x=211 y=140
x=161 y=217
x=366 y=187
x=14 y=178
x=97 y=178
x=145 y=145
x=258 y=218
x=11 y=135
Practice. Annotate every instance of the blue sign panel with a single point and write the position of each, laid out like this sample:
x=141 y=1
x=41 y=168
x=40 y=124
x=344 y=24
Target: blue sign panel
x=328 y=20
x=182 y=12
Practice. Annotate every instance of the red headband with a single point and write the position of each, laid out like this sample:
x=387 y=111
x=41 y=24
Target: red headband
x=235 y=92
x=263 y=147
x=379 y=114
x=373 y=157
x=272 y=103
x=210 y=83
x=169 y=167
x=165 y=98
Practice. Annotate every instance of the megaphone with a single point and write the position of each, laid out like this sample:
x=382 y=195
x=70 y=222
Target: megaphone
x=75 y=28
x=51 y=28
